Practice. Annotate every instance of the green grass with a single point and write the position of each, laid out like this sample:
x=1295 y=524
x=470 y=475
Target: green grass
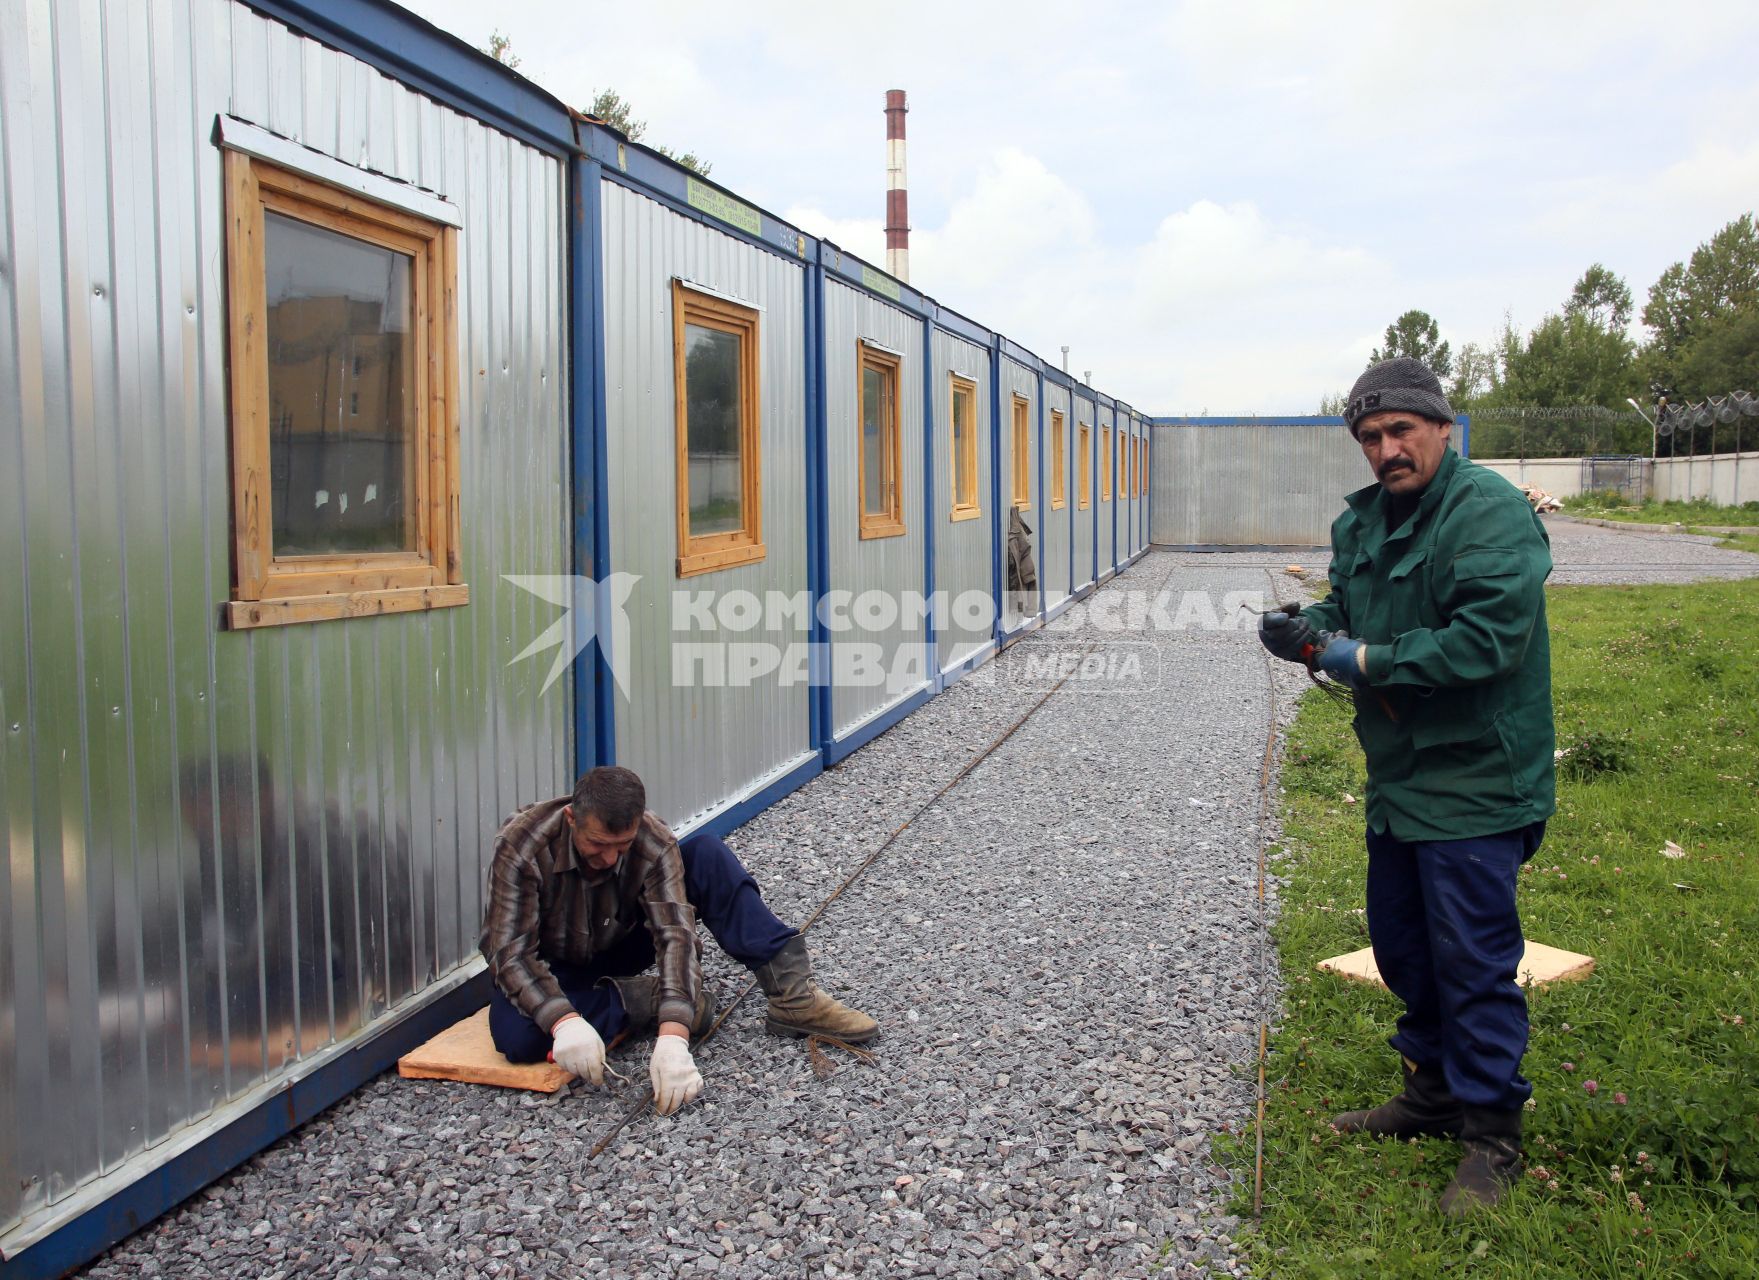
x=1748 y=542
x=1611 y=506
x=1657 y=692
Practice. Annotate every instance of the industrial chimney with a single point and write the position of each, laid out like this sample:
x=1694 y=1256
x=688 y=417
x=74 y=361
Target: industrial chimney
x=897 y=198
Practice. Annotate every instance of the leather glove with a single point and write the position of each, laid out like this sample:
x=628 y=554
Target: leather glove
x=1285 y=634
x=676 y=1080
x=578 y=1048
x=1345 y=660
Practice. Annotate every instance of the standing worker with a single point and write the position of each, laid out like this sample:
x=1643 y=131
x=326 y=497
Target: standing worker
x=1437 y=619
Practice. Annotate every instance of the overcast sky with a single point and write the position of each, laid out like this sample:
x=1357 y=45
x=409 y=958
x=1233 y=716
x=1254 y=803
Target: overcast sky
x=1218 y=206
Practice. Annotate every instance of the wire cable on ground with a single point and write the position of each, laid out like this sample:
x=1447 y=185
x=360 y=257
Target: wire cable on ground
x=646 y=1099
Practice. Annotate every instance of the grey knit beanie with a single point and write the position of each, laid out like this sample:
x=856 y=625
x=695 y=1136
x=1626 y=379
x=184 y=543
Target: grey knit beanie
x=1400 y=383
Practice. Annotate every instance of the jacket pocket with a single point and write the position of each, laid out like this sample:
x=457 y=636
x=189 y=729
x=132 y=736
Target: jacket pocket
x=1407 y=583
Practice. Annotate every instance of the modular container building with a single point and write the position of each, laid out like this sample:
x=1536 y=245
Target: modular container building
x=1021 y=474
x=390 y=444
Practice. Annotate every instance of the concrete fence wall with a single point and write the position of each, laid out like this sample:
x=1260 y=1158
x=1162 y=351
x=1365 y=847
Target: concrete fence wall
x=1727 y=479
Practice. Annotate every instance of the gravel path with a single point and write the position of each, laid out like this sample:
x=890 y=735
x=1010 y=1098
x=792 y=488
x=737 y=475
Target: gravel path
x=1593 y=555
x=1064 y=954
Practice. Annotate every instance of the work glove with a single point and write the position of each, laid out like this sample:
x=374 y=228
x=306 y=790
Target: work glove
x=1285 y=634
x=577 y=1048
x=1345 y=660
x=673 y=1071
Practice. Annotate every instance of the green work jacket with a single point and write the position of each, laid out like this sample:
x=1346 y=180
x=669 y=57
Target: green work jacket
x=1457 y=724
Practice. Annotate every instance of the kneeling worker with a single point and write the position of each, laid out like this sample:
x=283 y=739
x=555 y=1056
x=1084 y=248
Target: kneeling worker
x=585 y=893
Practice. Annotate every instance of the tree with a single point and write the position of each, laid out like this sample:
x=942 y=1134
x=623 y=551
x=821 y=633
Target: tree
x=1570 y=360
x=1722 y=276
x=608 y=105
x=1416 y=335
x=1332 y=406
x=1475 y=375
x=1601 y=296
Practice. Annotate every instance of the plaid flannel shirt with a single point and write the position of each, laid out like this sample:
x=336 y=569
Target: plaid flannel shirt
x=545 y=908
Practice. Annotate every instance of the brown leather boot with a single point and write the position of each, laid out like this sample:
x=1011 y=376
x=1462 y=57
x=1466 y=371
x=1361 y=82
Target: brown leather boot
x=1426 y=1109
x=798 y=1007
x=641 y=1003
x=1491 y=1164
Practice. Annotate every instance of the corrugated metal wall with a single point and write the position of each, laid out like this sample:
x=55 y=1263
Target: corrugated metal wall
x=1054 y=567
x=963 y=548
x=1138 y=462
x=1083 y=531
x=702 y=739
x=1252 y=485
x=895 y=566
x=1107 y=444
x=1019 y=381
x=225 y=851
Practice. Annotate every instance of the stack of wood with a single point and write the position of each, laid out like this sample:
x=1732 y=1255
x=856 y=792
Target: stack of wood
x=1539 y=499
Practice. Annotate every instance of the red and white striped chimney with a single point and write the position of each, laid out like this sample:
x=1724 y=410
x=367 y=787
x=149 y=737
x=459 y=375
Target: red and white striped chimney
x=897 y=197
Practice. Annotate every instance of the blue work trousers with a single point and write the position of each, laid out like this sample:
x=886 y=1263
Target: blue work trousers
x=1447 y=941
x=726 y=901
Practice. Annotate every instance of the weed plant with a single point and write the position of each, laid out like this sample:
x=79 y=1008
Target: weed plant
x=1642 y=1145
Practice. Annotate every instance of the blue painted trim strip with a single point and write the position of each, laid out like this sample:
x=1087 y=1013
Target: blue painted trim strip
x=583 y=301
x=841 y=749
x=1296 y=420
x=1020 y=355
x=1464 y=423
x=849 y=270
x=737 y=815
x=434 y=62
x=931 y=631
x=592 y=221
x=966 y=665
x=998 y=526
x=167 y=1186
x=818 y=546
x=960 y=327
x=659 y=180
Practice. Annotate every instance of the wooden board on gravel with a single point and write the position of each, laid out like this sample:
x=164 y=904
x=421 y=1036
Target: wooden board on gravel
x=464 y=1052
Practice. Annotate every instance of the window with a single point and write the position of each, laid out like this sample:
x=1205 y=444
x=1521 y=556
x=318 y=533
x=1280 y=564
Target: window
x=719 y=470
x=1123 y=465
x=1059 y=462
x=1105 y=468
x=1022 y=455
x=880 y=464
x=1141 y=466
x=1084 y=467
x=965 y=503
x=339 y=511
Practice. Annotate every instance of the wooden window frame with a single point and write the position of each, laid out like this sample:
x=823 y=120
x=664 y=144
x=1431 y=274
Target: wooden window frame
x=270 y=590
x=1084 y=466
x=888 y=523
x=1141 y=466
x=1059 y=461
x=705 y=553
x=1020 y=456
x=958 y=386
x=1105 y=467
x=1123 y=466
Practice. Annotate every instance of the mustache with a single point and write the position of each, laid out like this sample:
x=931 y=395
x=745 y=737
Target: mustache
x=1400 y=464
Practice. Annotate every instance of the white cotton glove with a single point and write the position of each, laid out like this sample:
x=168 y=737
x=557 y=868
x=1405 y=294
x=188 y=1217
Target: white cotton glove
x=578 y=1048
x=673 y=1071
